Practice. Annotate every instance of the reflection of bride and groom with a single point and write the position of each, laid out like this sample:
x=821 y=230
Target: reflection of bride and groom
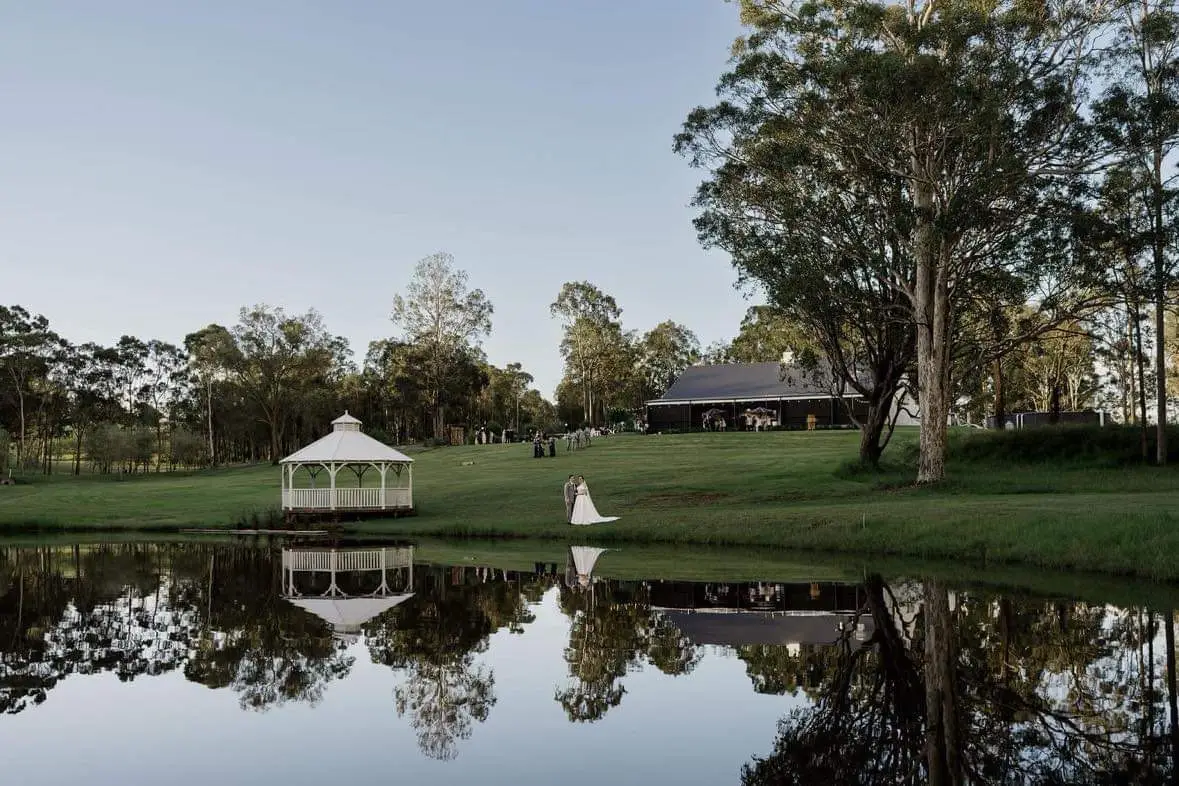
x=579 y=566
x=579 y=505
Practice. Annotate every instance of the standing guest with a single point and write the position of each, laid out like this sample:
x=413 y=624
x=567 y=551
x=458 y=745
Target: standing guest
x=552 y=447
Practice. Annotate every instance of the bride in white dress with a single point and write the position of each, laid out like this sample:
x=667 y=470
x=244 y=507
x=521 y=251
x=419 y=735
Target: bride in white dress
x=584 y=512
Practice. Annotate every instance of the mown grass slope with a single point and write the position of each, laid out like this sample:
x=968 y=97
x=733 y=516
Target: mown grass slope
x=770 y=489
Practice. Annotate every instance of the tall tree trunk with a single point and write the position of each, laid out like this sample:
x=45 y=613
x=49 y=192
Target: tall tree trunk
x=209 y=414
x=589 y=415
x=942 y=745
x=873 y=427
x=1000 y=394
x=77 y=449
x=20 y=445
x=50 y=427
x=587 y=401
x=1160 y=306
x=931 y=306
x=1131 y=381
x=275 y=440
x=1138 y=374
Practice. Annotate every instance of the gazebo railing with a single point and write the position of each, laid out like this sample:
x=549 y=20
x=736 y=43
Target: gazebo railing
x=367 y=559
x=359 y=498
x=346 y=499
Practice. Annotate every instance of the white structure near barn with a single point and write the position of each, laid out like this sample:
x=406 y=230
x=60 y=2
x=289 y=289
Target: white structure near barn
x=328 y=476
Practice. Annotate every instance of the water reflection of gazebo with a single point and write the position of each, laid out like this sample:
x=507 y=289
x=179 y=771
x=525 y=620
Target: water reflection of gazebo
x=347 y=588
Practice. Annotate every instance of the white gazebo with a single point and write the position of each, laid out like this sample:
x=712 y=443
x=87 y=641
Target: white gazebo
x=347 y=448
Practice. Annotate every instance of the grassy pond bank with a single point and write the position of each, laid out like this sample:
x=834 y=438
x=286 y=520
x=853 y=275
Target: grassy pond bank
x=778 y=489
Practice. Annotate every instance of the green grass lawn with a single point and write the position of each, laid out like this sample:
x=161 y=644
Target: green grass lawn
x=784 y=489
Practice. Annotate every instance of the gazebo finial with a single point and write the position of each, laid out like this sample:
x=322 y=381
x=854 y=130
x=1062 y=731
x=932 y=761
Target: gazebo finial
x=346 y=422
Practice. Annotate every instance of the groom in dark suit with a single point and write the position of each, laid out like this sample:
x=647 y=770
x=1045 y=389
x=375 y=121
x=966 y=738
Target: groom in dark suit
x=570 y=496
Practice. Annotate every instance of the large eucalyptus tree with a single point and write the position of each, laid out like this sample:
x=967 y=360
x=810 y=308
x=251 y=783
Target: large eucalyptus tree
x=873 y=165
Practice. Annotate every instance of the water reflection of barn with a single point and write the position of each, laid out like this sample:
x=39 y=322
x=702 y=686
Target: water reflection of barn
x=737 y=614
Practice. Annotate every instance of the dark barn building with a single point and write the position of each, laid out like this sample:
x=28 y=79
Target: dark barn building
x=746 y=397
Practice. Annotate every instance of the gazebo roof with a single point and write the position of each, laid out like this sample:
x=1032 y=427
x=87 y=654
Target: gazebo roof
x=347 y=615
x=346 y=444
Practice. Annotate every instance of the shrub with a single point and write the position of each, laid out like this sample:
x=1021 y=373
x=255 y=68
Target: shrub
x=1094 y=445
x=187 y=449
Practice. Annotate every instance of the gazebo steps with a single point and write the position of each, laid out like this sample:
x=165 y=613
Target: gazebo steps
x=345 y=514
x=287 y=532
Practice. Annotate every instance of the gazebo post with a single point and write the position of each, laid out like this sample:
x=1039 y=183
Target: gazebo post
x=409 y=467
x=384 y=485
x=332 y=470
x=384 y=588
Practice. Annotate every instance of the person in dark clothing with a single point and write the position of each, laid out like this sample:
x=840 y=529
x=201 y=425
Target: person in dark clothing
x=552 y=447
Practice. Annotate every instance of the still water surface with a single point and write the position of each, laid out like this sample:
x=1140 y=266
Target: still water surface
x=228 y=663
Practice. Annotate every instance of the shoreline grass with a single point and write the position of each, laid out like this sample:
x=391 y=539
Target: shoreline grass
x=642 y=562
x=783 y=490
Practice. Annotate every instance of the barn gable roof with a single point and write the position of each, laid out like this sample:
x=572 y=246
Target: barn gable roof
x=744 y=382
x=750 y=628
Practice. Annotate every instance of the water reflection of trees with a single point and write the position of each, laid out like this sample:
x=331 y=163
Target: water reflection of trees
x=950 y=687
x=613 y=631
x=971 y=688
x=264 y=649
x=435 y=641
x=215 y=613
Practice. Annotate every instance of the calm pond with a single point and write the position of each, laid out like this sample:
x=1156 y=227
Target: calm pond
x=218 y=663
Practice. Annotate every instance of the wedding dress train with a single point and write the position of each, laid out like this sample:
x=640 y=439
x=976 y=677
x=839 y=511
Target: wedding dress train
x=584 y=512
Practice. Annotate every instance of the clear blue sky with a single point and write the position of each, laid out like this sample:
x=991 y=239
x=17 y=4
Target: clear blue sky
x=165 y=163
